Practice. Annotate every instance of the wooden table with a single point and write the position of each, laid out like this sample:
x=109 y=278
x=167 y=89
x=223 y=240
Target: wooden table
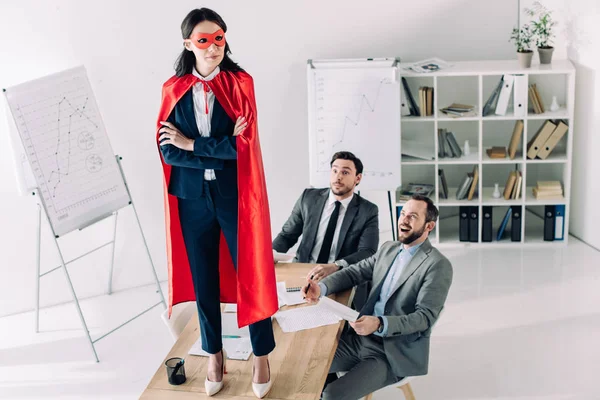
x=299 y=363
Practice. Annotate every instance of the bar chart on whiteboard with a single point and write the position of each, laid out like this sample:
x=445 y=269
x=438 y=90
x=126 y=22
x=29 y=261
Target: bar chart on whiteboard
x=67 y=148
x=356 y=110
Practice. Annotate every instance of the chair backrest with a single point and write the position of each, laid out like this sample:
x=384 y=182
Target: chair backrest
x=180 y=316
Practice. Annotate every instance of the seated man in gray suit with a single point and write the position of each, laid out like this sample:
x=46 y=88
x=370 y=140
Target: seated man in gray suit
x=338 y=227
x=390 y=339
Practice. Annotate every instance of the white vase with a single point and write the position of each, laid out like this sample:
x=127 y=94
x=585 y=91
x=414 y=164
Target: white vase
x=466 y=148
x=554 y=106
x=496 y=193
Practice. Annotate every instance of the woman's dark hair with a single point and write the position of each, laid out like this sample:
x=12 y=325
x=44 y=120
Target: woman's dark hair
x=186 y=60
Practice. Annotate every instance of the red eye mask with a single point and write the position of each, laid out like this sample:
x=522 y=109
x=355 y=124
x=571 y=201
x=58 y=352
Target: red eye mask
x=204 y=40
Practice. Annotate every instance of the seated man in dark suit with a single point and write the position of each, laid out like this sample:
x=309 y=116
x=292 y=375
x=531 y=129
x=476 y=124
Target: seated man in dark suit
x=338 y=227
x=390 y=339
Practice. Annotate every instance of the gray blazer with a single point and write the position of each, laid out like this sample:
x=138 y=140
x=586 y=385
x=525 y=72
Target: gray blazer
x=359 y=234
x=414 y=306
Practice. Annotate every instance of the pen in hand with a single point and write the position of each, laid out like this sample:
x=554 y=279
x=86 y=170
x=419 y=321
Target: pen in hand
x=308 y=286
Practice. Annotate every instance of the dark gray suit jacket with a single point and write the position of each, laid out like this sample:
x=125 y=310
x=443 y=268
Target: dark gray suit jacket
x=414 y=306
x=359 y=234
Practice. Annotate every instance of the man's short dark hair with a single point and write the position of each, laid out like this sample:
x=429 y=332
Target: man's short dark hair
x=346 y=155
x=432 y=211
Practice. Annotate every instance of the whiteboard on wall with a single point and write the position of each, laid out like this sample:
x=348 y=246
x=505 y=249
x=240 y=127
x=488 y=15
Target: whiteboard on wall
x=354 y=105
x=66 y=149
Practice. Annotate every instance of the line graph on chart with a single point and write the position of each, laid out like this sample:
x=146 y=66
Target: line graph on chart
x=356 y=111
x=66 y=145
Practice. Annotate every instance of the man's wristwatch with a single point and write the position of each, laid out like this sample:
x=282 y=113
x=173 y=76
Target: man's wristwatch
x=339 y=264
x=380 y=329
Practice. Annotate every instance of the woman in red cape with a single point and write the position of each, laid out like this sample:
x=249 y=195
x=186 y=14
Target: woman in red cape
x=217 y=211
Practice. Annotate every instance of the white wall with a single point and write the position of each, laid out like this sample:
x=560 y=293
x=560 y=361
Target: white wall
x=583 y=34
x=129 y=47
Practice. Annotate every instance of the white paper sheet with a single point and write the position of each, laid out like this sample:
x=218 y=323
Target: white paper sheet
x=238 y=348
x=338 y=309
x=282 y=258
x=302 y=318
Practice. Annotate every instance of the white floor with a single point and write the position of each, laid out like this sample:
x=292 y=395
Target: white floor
x=519 y=324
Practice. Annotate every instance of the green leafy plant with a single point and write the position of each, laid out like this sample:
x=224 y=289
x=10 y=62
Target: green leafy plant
x=522 y=38
x=542 y=26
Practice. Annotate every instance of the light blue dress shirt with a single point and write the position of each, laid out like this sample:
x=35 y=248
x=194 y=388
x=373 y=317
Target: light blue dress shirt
x=402 y=259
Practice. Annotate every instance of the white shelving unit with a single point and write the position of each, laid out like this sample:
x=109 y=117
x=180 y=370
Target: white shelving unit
x=472 y=82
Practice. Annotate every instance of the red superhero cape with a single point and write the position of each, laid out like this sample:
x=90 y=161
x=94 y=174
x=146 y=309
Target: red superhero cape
x=254 y=287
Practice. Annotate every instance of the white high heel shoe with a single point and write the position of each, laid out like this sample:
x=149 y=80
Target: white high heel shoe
x=211 y=387
x=262 y=389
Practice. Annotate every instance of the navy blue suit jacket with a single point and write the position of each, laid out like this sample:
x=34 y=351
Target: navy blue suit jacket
x=216 y=152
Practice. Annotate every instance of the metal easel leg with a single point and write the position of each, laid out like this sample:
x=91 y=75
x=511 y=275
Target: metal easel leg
x=112 y=257
x=159 y=290
x=85 y=328
x=38 y=250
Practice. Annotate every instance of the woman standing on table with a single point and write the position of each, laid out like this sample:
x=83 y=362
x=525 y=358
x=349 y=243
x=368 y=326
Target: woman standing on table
x=217 y=212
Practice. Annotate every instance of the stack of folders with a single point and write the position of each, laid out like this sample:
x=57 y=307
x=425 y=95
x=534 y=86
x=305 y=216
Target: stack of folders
x=447 y=144
x=457 y=110
x=469 y=185
x=499 y=99
x=512 y=189
x=426 y=100
x=546 y=139
x=536 y=100
x=548 y=190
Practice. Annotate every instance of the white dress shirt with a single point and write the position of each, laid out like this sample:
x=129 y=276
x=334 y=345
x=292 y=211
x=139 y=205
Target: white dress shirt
x=327 y=211
x=202 y=118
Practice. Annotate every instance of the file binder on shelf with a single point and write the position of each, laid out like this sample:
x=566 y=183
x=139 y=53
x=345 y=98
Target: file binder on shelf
x=504 y=94
x=474 y=224
x=463 y=224
x=559 y=222
x=558 y=133
x=520 y=96
x=503 y=225
x=405 y=107
x=549 y=222
x=542 y=135
x=486 y=224
x=515 y=224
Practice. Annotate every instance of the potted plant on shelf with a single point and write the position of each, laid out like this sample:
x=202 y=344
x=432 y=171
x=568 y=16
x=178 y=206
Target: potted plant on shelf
x=522 y=39
x=542 y=30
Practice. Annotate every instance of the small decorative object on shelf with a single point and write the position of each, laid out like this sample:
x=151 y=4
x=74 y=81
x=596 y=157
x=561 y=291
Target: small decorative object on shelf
x=496 y=193
x=554 y=106
x=466 y=148
x=496 y=152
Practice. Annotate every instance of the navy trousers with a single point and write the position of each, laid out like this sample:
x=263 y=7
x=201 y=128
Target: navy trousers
x=201 y=223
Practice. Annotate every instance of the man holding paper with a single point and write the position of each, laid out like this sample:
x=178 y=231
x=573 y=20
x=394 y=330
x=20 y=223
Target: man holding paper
x=390 y=339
